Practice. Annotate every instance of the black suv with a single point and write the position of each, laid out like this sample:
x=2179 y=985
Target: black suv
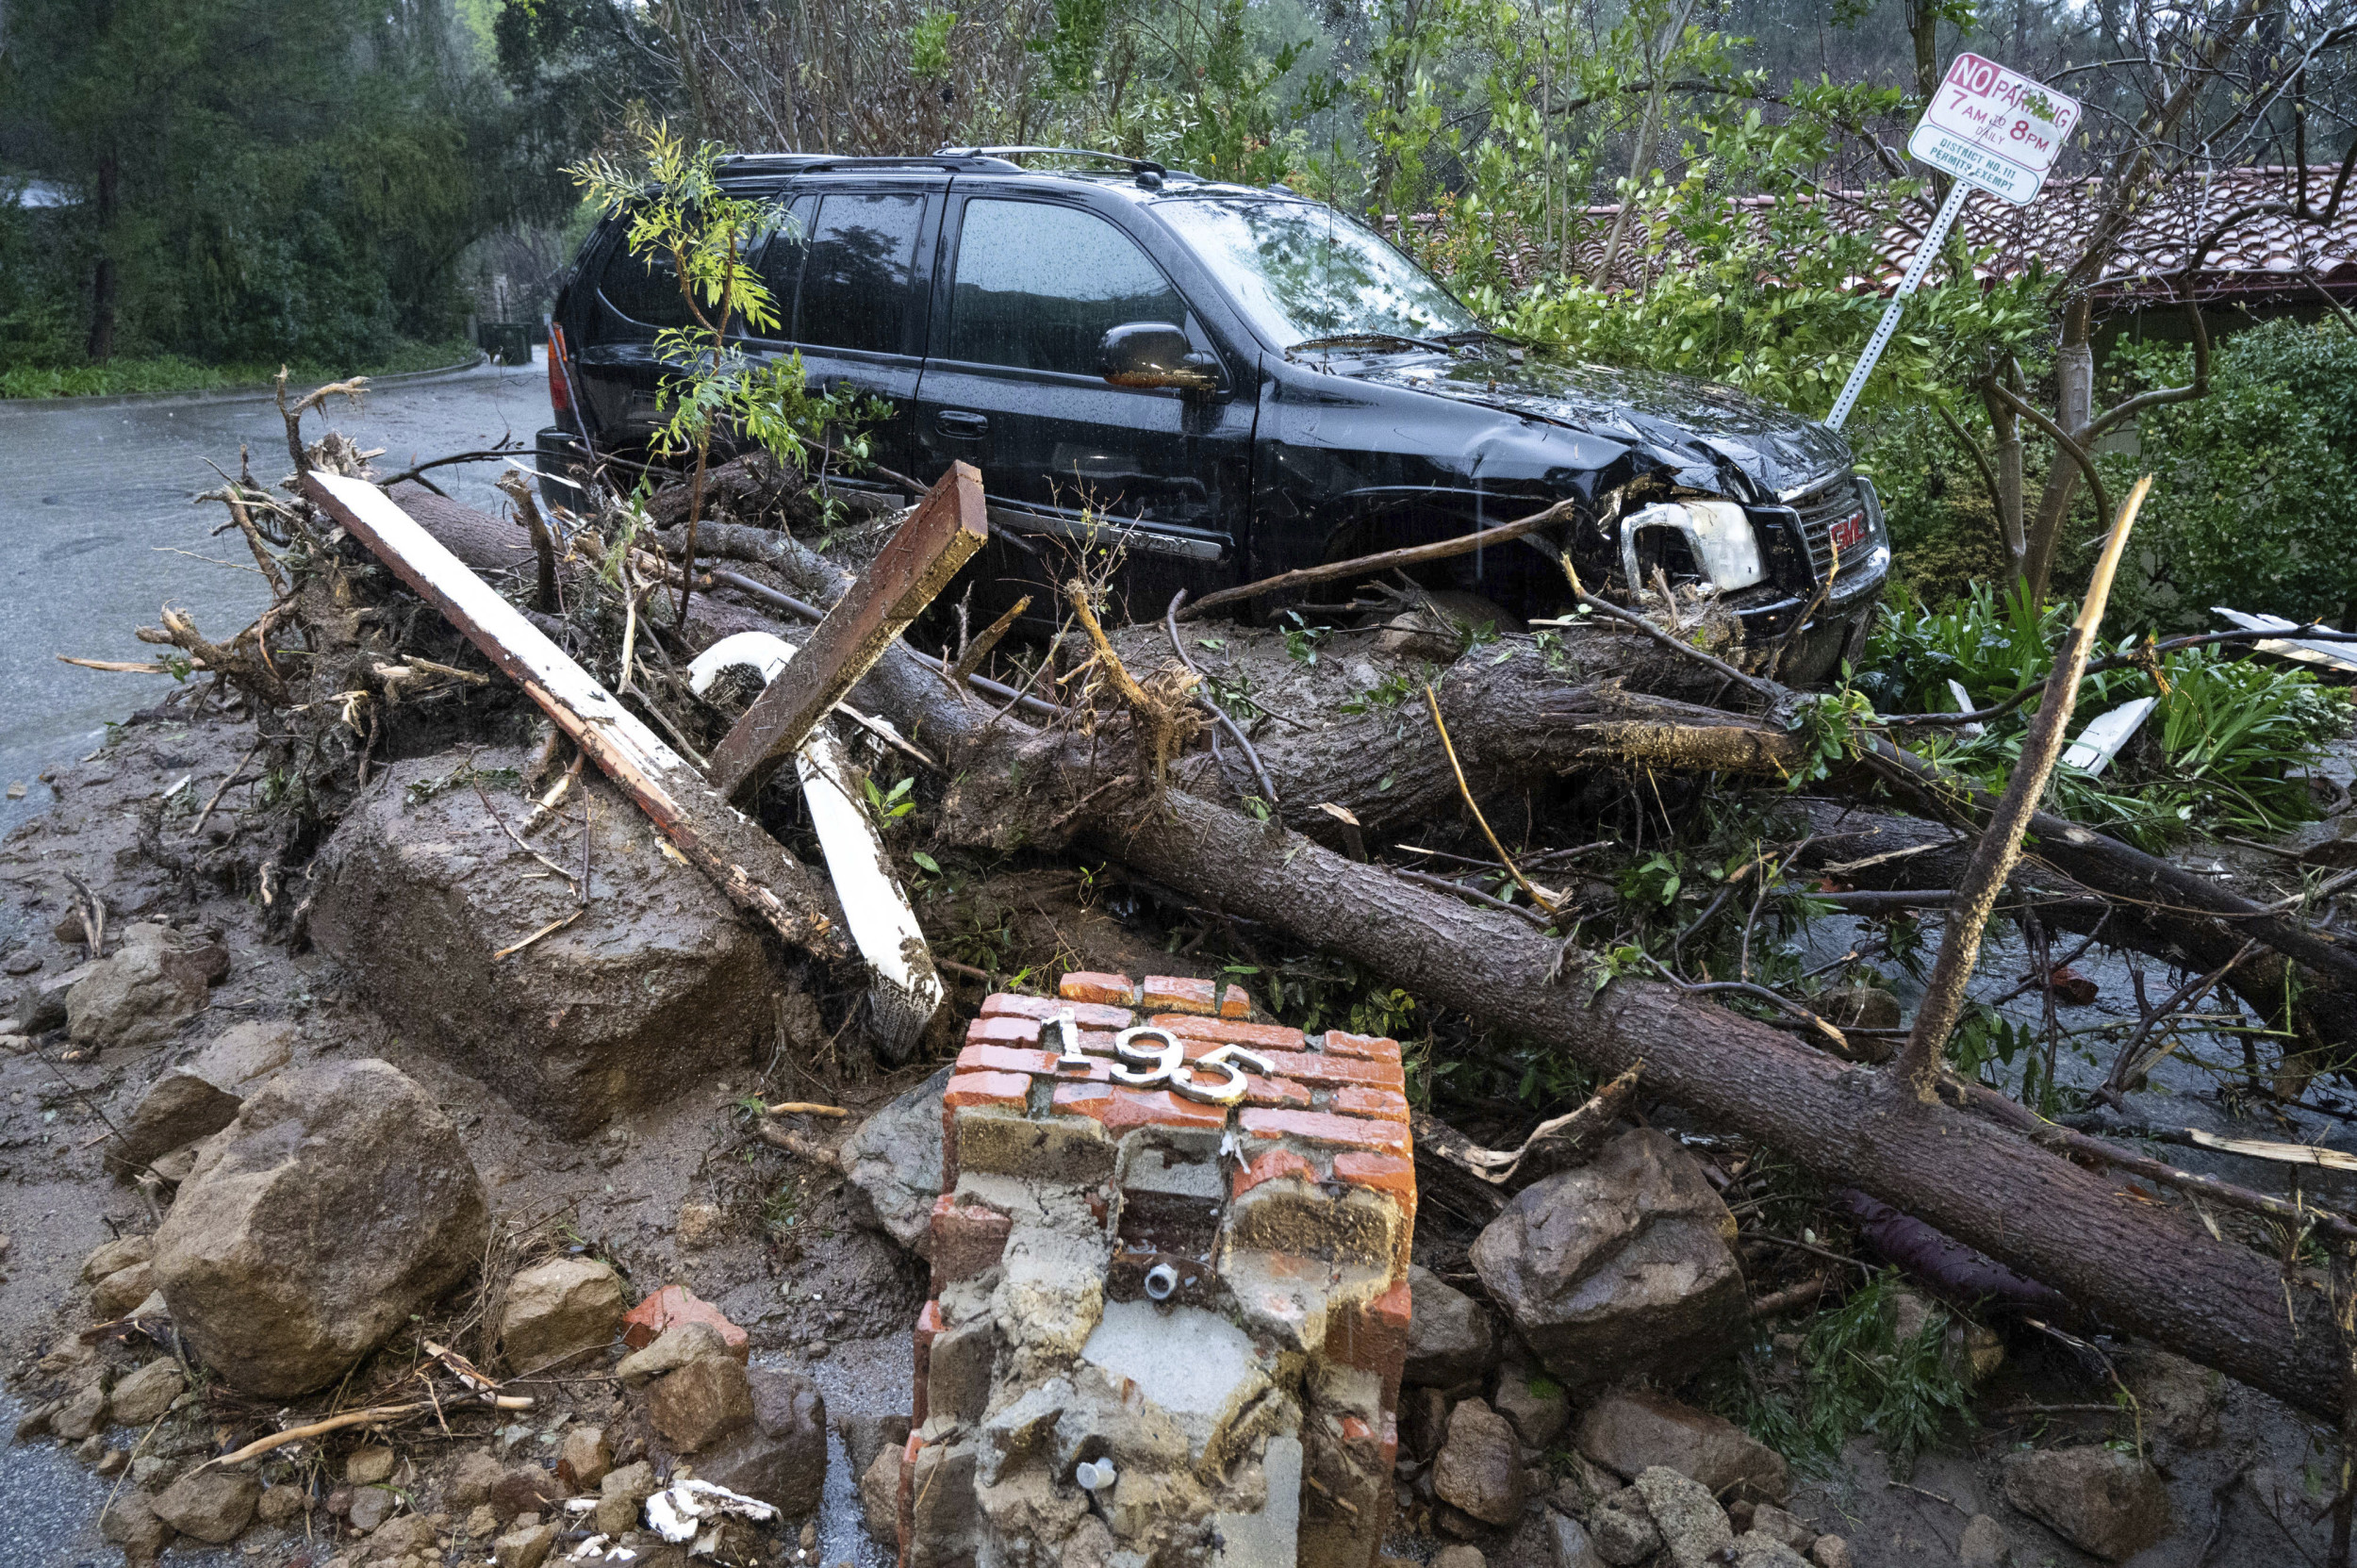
x=1231 y=382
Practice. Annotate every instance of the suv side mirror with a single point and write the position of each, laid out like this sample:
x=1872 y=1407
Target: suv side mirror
x=1153 y=354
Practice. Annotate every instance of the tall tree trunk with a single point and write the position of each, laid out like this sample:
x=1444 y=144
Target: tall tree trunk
x=102 y=305
x=2075 y=408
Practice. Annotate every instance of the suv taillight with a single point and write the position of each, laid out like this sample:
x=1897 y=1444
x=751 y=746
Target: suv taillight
x=560 y=397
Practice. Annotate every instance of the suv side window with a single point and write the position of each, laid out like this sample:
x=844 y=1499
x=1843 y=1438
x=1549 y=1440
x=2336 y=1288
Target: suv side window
x=1038 y=284
x=782 y=261
x=643 y=287
x=856 y=282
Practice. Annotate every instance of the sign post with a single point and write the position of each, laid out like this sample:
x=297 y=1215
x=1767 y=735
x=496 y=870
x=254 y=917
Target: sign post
x=1992 y=130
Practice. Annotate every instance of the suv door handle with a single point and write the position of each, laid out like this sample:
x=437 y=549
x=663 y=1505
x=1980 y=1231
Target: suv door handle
x=961 y=423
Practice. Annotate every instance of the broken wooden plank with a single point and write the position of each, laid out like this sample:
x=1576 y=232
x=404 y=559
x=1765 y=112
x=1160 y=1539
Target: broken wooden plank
x=749 y=866
x=2333 y=657
x=2105 y=733
x=941 y=535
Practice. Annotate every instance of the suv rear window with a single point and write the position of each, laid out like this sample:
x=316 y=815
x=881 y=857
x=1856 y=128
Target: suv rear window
x=856 y=281
x=1038 y=284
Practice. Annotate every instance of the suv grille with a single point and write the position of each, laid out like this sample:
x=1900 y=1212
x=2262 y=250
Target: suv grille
x=1833 y=509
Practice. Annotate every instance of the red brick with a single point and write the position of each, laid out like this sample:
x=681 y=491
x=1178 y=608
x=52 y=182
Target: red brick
x=1088 y=1015
x=1268 y=1167
x=1321 y=1127
x=1374 y=1336
x=968 y=1240
x=1011 y=1090
x=928 y=1325
x=670 y=1307
x=1356 y=1430
x=1016 y=1059
x=1179 y=995
x=1385 y=1173
x=1112 y=990
x=1234 y=1004
x=1323 y=1070
x=1277 y=1093
x=1002 y=1032
x=1375 y=1048
x=1231 y=1031
x=1122 y=1109
x=1358 y=1100
x=908 y=1492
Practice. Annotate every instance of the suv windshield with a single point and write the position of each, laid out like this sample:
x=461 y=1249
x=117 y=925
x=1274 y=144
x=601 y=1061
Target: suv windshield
x=1302 y=271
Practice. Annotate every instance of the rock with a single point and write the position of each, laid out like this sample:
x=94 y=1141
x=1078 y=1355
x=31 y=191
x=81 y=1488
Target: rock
x=146 y=1394
x=483 y=1521
x=658 y=985
x=701 y=1403
x=371 y=1506
x=782 y=1457
x=1830 y=1551
x=621 y=1493
x=2179 y=1399
x=679 y=1346
x=1449 y=1340
x=524 y=1489
x=1692 y=1524
x=1533 y=1403
x=866 y=1434
x=673 y=1305
x=278 y=1504
x=142 y=993
x=129 y=1520
x=524 y=1548
x=2102 y=1501
x=1568 y=1537
x=121 y=1290
x=1630 y=1431
x=1585 y=1484
x=35 y=1421
x=1481 y=1466
x=558 y=1310
x=582 y=1459
x=880 y=1496
x=112 y=1462
x=894 y=1164
x=410 y=1532
x=1773 y=1522
x=1620 y=1267
x=117 y=1255
x=369 y=1465
x=1753 y=1549
x=83 y=1413
x=202 y=1097
x=1623 y=1528
x=1982 y=1545
x=339 y=1202
x=1459 y=1557
x=472 y=1477
x=211 y=1505
x=1860 y=1007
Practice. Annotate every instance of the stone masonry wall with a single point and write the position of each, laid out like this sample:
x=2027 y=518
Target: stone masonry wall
x=1160 y=1330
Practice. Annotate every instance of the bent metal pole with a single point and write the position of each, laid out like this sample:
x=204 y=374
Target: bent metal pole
x=1933 y=237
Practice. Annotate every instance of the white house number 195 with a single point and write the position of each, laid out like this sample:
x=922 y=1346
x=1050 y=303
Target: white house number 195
x=1163 y=1063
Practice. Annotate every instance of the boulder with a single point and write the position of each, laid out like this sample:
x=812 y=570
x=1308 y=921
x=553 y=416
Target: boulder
x=659 y=985
x=1623 y=1528
x=1693 y=1527
x=145 y=990
x=701 y=1403
x=1620 y=1267
x=1630 y=1431
x=1480 y=1465
x=338 y=1203
x=558 y=1310
x=2180 y=1399
x=121 y=1290
x=117 y=1255
x=146 y=1394
x=83 y=1414
x=1449 y=1339
x=782 y=1457
x=894 y=1164
x=1533 y=1403
x=130 y=1520
x=211 y=1505
x=2104 y=1502
x=201 y=1096
x=880 y=1494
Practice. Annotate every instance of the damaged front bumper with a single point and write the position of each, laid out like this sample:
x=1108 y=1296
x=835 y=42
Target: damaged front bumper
x=1830 y=534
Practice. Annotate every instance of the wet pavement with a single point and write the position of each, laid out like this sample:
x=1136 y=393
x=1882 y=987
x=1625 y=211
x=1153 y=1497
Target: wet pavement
x=97 y=531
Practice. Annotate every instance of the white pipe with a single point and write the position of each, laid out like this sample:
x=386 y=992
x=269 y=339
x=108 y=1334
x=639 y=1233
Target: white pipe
x=908 y=988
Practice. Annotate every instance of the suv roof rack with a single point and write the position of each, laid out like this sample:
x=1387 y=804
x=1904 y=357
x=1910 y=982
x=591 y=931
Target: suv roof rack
x=956 y=162
x=1149 y=173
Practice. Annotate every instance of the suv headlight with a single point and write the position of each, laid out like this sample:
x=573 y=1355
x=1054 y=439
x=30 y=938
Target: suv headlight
x=1716 y=532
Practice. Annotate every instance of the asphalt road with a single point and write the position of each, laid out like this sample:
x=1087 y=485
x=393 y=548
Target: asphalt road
x=97 y=531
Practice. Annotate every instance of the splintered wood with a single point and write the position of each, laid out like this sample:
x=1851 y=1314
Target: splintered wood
x=748 y=865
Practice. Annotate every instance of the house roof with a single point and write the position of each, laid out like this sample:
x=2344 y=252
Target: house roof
x=2270 y=254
